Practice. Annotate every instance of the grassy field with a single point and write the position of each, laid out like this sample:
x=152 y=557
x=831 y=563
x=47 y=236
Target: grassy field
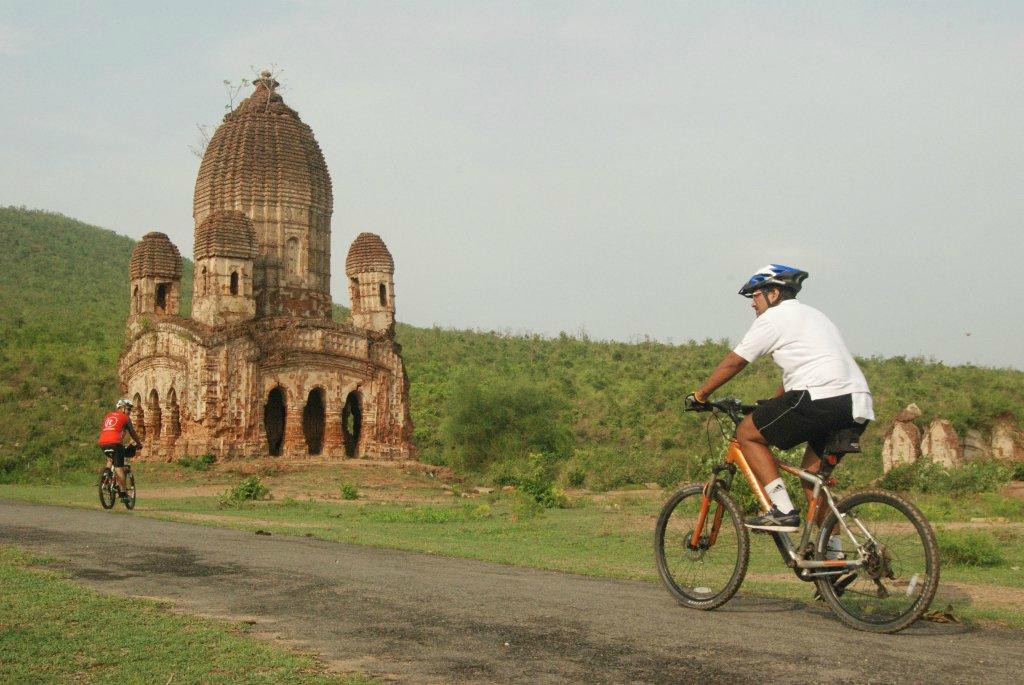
x=602 y=534
x=52 y=630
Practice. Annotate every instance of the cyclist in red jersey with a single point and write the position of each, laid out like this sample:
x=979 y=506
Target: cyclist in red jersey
x=114 y=425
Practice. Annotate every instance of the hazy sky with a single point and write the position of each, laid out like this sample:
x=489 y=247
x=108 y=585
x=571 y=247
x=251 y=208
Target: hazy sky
x=617 y=168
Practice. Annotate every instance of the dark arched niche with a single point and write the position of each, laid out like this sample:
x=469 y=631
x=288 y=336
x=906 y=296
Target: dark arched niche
x=273 y=420
x=352 y=423
x=313 y=421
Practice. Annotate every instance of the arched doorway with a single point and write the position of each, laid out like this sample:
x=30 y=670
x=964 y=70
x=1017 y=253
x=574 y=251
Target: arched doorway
x=161 y=298
x=173 y=416
x=352 y=423
x=153 y=411
x=313 y=421
x=273 y=421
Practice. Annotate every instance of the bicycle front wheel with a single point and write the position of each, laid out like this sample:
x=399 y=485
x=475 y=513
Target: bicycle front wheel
x=900 y=574
x=129 y=487
x=106 y=489
x=706 y=577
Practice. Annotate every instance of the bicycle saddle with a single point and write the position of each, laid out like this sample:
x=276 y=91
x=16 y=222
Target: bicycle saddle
x=844 y=441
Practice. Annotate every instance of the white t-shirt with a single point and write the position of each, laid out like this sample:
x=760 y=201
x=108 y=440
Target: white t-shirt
x=812 y=355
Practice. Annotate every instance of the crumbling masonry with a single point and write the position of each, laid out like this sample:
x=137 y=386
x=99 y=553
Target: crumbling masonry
x=260 y=368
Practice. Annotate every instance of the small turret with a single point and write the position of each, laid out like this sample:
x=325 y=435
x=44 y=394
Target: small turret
x=155 y=269
x=222 y=287
x=371 y=284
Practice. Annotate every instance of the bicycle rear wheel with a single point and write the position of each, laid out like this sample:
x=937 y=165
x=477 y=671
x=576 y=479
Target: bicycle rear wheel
x=900 y=575
x=129 y=487
x=706 y=577
x=106 y=489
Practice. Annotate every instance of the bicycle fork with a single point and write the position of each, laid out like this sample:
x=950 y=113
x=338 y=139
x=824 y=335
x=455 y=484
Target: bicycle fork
x=696 y=541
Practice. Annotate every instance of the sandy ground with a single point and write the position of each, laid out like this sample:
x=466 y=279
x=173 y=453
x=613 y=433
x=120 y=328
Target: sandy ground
x=419 y=618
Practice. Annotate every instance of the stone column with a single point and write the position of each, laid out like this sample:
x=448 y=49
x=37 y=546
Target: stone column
x=334 y=441
x=294 y=441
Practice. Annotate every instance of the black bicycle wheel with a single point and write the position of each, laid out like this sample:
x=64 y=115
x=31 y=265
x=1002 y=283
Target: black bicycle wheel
x=106 y=489
x=707 y=577
x=129 y=487
x=900 y=574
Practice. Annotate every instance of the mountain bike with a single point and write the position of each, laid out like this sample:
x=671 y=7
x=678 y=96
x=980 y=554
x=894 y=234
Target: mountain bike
x=882 y=579
x=108 y=484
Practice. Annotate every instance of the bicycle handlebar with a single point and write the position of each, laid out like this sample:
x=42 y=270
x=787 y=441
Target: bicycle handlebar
x=727 y=405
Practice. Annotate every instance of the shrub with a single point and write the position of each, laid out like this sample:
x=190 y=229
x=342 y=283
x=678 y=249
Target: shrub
x=535 y=477
x=970 y=548
x=1018 y=470
x=250 y=489
x=492 y=419
x=202 y=463
x=924 y=475
x=349 y=491
x=575 y=477
x=979 y=476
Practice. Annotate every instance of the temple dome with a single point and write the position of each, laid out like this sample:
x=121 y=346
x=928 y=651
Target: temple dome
x=225 y=233
x=155 y=256
x=368 y=253
x=262 y=154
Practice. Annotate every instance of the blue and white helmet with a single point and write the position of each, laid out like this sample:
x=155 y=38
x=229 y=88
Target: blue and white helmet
x=774 y=274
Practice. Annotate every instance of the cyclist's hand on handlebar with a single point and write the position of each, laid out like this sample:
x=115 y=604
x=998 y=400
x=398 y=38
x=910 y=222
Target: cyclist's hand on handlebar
x=693 y=404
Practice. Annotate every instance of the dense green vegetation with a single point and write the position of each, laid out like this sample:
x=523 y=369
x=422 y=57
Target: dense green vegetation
x=604 y=414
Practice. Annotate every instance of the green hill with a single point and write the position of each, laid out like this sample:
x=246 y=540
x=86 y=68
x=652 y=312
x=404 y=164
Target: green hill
x=610 y=410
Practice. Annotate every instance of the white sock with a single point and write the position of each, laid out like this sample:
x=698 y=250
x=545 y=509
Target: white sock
x=835 y=543
x=776 y=491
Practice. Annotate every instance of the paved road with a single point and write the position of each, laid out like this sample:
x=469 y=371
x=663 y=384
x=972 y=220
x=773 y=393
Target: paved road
x=420 y=618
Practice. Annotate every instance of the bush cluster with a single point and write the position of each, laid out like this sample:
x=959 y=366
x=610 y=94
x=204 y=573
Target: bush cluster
x=202 y=463
x=250 y=489
x=349 y=491
x=534 y=477
x=491 y=418
x=924 y=475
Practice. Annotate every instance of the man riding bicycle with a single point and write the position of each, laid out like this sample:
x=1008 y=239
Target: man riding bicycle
x=823 y=390
x=114 y=425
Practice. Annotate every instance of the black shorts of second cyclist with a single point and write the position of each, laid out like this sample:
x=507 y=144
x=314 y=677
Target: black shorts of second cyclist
x=793 y=418
x=115 y=453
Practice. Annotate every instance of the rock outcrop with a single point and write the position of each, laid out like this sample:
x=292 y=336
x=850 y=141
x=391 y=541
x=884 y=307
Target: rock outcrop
x=901 y=442
x=1007 y=441
x=941 y=444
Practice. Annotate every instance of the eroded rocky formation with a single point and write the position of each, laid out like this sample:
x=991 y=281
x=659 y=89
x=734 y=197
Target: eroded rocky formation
x=260 y=368
x=901 y=444
x=941 y=444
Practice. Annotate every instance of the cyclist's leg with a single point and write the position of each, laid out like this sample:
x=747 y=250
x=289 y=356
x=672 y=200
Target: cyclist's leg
x=755 y=450
x=812 y=463
x=118 y=461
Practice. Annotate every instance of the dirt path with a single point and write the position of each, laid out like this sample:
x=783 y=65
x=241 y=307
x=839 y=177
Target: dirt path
x=419 y=618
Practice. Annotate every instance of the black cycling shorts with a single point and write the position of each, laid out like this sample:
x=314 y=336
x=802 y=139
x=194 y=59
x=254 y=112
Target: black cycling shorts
x=793 y=418
x=116 y=454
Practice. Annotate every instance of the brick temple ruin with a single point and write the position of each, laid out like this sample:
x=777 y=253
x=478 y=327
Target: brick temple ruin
x=260 y=368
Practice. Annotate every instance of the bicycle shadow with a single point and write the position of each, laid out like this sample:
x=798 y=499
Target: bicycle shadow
x=752 y=605
x=941 y=620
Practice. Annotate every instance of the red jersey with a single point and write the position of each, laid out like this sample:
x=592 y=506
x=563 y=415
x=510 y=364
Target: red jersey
x=113 y=425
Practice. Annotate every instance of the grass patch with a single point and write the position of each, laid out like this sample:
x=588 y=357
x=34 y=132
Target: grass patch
x=974 y=548
x=56 y=631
